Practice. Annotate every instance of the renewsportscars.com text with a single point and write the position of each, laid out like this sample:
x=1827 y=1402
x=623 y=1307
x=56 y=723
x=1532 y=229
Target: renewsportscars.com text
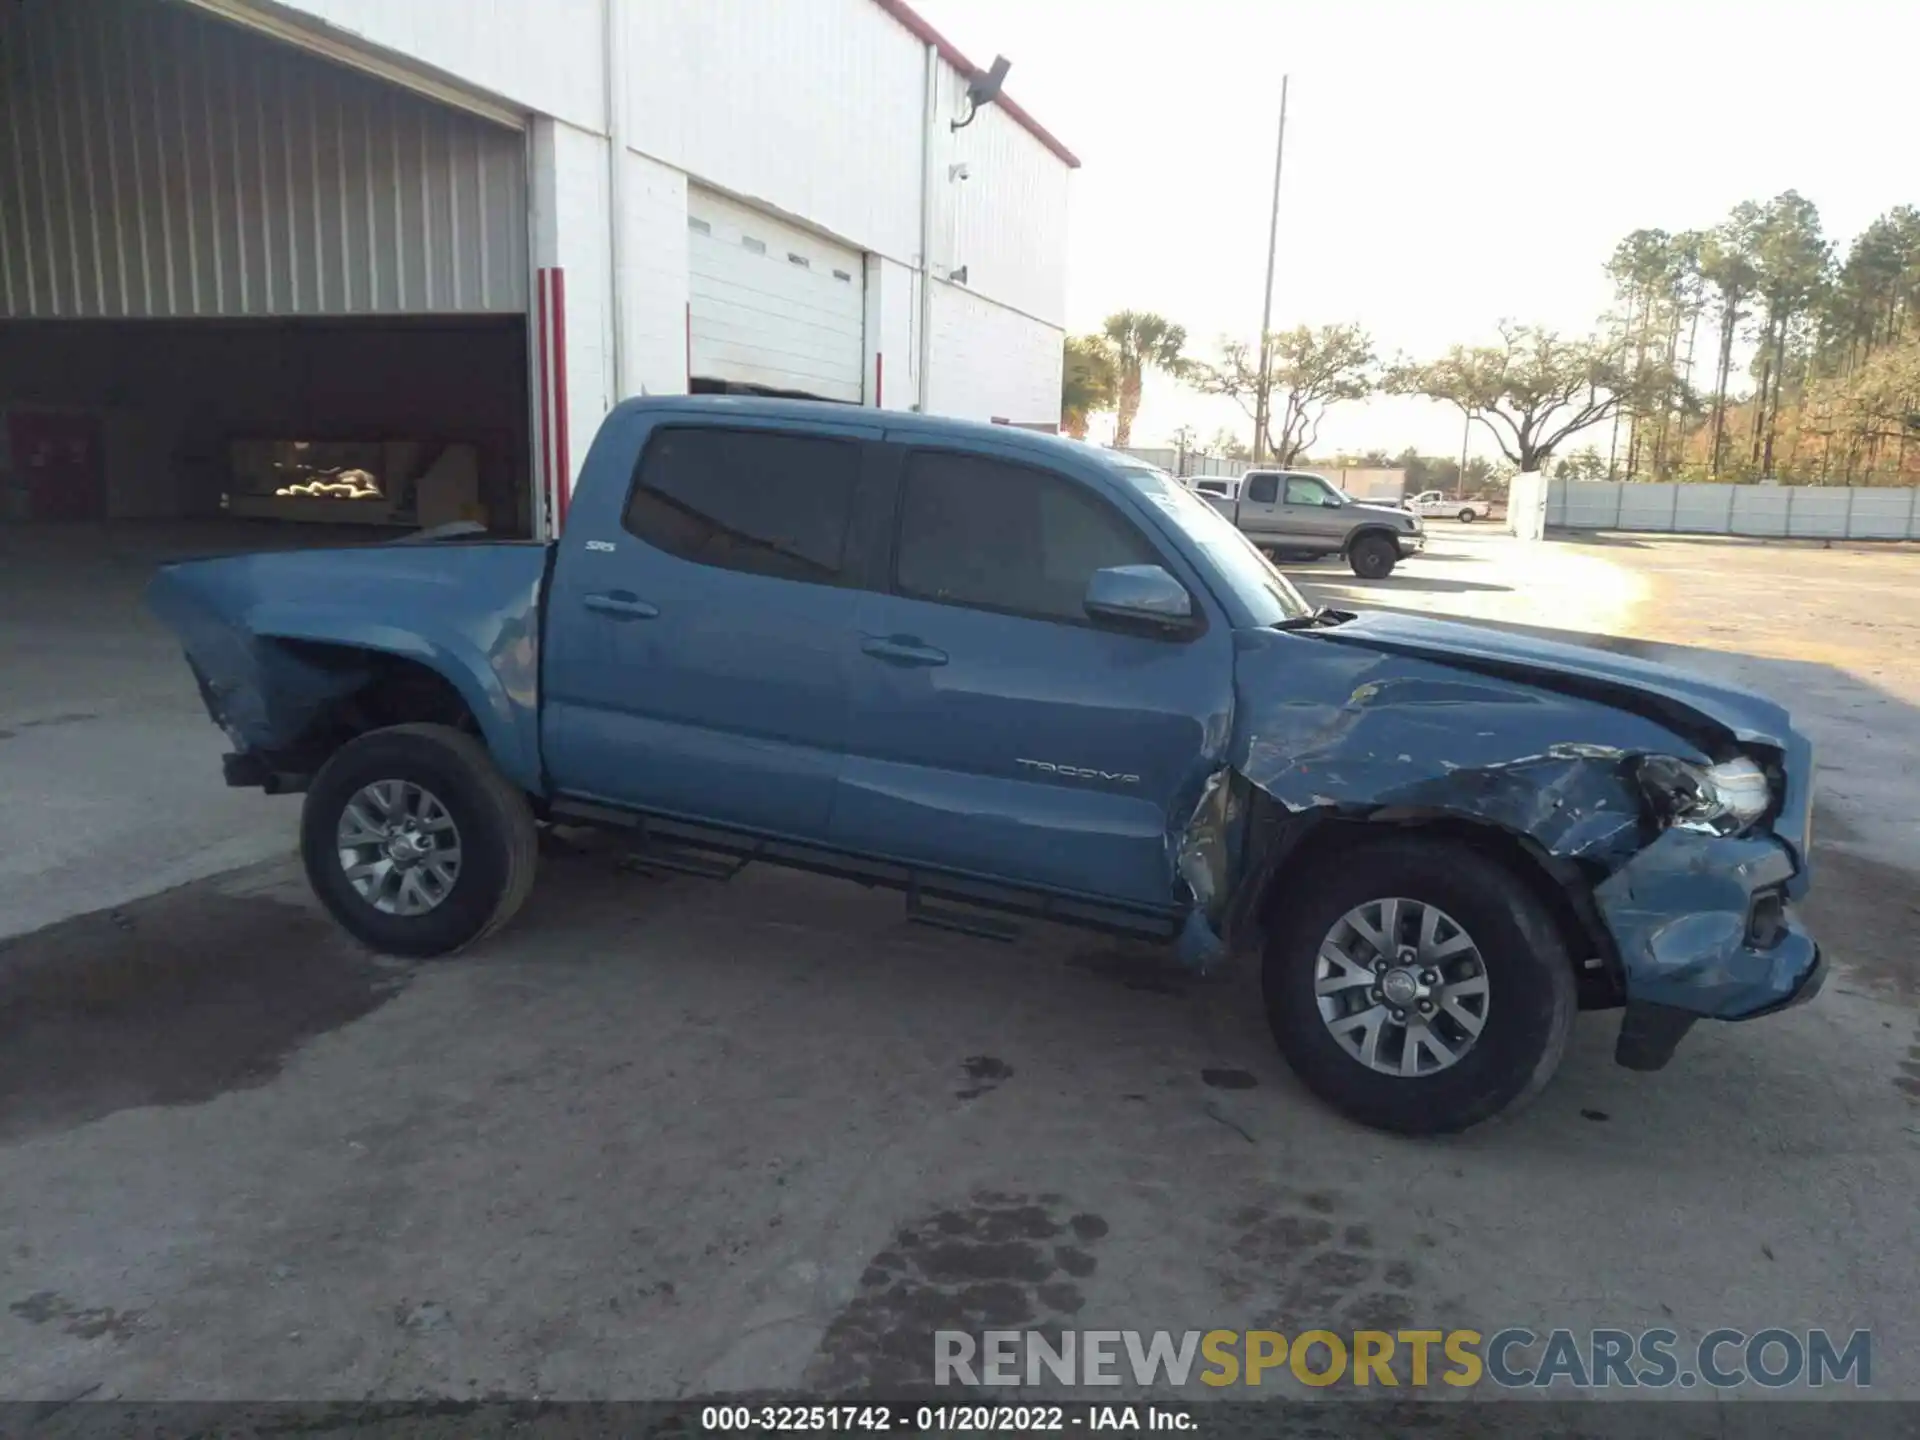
x=1513 y=1358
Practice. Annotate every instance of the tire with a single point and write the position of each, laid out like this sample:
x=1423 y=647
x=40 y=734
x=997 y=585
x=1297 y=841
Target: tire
x=1467 y=517
x=1527 y=1002
x=488 y=817
x=1372 y=557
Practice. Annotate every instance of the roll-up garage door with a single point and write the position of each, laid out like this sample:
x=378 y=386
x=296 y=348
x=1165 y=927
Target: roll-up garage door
x=774 y=308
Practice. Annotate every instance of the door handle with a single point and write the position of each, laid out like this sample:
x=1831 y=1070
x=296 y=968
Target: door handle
x=902 y=650
x=622 y=606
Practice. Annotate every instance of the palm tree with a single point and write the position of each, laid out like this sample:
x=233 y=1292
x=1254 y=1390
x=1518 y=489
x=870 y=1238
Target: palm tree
x=1089 y=380
x=1141 y=341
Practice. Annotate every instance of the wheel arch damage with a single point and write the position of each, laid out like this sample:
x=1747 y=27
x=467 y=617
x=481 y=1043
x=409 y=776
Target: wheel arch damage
x=278 y=642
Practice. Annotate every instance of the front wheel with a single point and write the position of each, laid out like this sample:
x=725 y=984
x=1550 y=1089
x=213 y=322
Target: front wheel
x=415 y=842
x=1372 y=557
x=1418 y=986
x=1467 y=517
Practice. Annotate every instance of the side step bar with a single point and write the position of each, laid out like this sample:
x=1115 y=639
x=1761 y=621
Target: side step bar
x=943 y=901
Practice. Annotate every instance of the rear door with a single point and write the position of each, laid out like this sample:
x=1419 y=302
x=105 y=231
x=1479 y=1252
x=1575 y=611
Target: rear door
x=996 y=730
x=696 y=663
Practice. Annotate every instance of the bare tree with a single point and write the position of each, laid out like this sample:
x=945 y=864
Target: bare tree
x=1311 y=370
x=1535 y=389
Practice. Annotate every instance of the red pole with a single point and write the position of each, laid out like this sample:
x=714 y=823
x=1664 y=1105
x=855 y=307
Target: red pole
x=562 y=457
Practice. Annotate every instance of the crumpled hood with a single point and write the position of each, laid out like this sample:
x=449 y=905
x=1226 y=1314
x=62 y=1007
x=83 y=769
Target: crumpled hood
x=1659 y=692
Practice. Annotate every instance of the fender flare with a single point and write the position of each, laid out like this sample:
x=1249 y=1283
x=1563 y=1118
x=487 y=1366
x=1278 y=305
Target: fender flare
x=507 y=723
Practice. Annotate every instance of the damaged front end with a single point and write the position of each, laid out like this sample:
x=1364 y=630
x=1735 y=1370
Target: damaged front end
x=1663 y=819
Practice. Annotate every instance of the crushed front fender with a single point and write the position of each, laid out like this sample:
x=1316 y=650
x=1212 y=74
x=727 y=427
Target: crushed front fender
x=1692 y=922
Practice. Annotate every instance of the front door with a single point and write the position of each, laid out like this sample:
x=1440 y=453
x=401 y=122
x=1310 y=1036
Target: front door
x=995 y=729
x=1311 y=508
x=697 y=628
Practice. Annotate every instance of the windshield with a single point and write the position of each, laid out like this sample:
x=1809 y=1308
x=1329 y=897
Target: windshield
x=1267 y=594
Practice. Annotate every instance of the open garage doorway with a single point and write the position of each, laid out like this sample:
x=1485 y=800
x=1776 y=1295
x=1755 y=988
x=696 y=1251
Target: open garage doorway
x=321 y=426
x=273 y=293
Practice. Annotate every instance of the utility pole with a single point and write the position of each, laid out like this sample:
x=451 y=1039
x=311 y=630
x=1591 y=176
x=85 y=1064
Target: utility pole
x=1460 y=480
x=1263 y=397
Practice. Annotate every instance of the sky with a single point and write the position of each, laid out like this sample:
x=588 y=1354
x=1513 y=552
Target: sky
x=1448 y=163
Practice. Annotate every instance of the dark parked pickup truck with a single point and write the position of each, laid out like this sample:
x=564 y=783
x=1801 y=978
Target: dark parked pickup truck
x=1009 y=675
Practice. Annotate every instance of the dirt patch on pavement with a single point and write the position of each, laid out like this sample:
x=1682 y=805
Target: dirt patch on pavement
x=169 y=1001
x=999 y=1262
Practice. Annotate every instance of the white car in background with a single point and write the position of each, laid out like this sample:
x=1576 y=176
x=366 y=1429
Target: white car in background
x=1434 y=503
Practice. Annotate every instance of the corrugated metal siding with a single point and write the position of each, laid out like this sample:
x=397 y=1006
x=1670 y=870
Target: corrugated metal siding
x=154 y=162
x=1008 y=222
x=990 y=362
x=541 y=55
x=811 y=109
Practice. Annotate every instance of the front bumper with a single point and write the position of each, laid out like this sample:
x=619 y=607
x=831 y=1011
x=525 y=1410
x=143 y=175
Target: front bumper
x=1705 y=930
x=1411 y=544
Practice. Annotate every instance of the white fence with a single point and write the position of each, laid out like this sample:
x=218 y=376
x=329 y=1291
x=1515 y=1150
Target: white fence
x=1810 y=512
x=1527 y=505
x=1176 y=462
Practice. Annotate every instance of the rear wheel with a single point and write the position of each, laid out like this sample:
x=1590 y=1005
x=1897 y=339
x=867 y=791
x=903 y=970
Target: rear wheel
x=1467 y=517
x=415 y=842
x=1418 y=986
x=1372 y=557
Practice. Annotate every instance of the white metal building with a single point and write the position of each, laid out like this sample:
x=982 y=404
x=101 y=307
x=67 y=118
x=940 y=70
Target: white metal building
x=390 y=261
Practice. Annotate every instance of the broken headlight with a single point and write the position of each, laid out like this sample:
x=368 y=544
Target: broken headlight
x=1720 y=799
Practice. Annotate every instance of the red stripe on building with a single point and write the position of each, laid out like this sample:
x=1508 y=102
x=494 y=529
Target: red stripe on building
x=543 y=348
x=562 y=457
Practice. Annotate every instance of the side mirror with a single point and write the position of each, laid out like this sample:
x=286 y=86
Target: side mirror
x=1137 y=594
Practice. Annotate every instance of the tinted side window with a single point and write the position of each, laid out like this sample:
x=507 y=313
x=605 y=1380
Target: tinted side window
x=1305 y=491
x=751 y=500
x=1262 y=488
x=981 y=532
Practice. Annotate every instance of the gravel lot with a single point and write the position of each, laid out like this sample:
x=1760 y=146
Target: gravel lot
x=670 y=1137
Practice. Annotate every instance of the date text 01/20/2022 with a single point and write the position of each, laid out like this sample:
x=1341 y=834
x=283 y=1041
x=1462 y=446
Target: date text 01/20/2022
x=943 y=1419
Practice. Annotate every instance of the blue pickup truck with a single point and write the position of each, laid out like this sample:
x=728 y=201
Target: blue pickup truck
x=1011 y=675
